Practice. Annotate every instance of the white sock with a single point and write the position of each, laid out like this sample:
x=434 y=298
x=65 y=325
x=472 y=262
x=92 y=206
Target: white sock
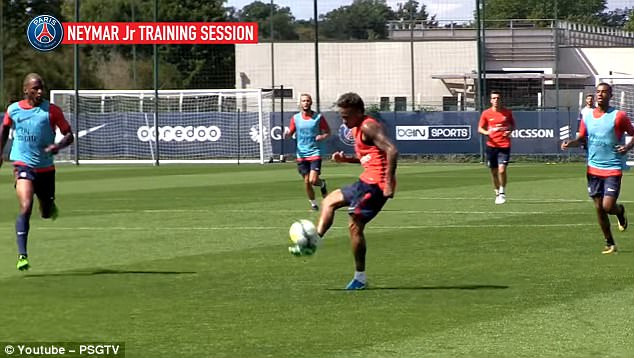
x=497 y=192
x=360 y=276
x=312 y=202
x=501 y=190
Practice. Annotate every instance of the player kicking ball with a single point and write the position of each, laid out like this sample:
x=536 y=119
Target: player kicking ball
x=366 y=197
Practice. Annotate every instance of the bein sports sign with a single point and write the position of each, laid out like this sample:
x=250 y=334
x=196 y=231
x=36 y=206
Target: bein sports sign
x=438 y=132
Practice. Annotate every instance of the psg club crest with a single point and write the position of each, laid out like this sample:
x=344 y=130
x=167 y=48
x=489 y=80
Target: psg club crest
x=45 y=33
x=345 y=135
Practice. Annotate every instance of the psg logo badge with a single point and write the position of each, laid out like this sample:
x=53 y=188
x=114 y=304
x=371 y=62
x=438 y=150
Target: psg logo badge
x=345 y=135
x=45 y=33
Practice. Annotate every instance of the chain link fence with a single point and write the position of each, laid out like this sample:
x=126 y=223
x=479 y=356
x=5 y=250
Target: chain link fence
x=400 y=56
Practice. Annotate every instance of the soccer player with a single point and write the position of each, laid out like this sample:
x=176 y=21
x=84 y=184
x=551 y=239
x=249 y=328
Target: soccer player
x=312 y=129
x=364 y=198
x=589 y=107
x=34 y=121
x=497 y=123
x=602 y=130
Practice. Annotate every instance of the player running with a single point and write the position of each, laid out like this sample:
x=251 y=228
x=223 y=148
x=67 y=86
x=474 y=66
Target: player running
x=497 y=123
x=602 y=130
x=34 y=121
x=312 y=130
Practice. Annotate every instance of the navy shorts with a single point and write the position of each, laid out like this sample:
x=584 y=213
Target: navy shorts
x=364 y=200
x=305 y=166
x=43 y=182
x=498 y=156
x=604 y=186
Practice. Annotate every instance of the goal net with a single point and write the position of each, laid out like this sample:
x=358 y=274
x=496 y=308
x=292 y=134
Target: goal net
x=622 y=98
x=192 y=126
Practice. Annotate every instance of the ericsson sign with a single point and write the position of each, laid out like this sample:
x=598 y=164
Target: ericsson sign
x=533 y=133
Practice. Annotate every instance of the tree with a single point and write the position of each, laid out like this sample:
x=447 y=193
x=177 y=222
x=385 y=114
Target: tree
x=616 y=18
x=201 y=66
x=264 y=14
x=362 y=20
x=305 y=30
x=629 y=24
x=410 y=10
x=588 y=11
x=20 y=58
x=623 y=18
x=180 y=66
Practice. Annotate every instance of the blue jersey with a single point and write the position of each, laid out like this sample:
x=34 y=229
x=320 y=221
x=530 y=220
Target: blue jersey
x=305 y=131
x=32 y=133
x=604 y=133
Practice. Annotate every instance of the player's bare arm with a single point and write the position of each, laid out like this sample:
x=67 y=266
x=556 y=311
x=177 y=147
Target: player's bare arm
x=573 y=143
x=288 y=132
x=67 y=140
x=373 y=132
x=510 y=128
x=483 y=130
x=341 y=157
x=4 y=137
x=629 y=129
x=325 y=133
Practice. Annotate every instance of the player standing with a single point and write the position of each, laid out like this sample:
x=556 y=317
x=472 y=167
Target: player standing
x=497 y=123
x=602 y=130
x=34 y=121
x=364 y=198
x=312 y=129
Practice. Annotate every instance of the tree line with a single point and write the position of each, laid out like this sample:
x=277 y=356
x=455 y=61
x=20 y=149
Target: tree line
x=203 y=66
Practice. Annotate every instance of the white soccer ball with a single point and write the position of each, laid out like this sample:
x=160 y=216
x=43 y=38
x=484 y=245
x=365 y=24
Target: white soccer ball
x=303 y=233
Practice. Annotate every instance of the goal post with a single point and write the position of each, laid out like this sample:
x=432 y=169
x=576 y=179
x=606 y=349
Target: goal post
x=193 y=126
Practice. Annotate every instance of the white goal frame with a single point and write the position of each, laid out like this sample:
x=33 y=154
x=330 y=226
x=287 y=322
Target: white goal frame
x=620 y=99
x=263 y=115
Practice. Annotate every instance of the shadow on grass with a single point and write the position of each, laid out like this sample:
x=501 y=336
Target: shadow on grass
x=110 y=272
x=456 y=287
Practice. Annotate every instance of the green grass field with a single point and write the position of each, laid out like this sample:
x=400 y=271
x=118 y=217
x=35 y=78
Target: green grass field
x=192 y=261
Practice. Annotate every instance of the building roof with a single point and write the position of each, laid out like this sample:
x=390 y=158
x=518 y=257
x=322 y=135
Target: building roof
x=512 y=76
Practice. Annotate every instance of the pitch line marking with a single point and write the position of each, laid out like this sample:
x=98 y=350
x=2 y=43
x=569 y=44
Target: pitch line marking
x=252 y=228
x=396 y=211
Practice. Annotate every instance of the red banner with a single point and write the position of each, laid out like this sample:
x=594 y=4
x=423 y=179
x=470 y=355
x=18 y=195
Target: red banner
x=146 y=33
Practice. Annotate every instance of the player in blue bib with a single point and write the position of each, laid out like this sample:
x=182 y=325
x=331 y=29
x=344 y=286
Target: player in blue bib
x=34 y=122
x=311 y=130
x=603 y=129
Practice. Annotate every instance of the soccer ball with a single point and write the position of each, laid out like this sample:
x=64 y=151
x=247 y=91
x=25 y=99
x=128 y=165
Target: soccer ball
x=303 y=234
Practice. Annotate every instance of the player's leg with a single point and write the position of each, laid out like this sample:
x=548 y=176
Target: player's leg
x=492 y=164
x=596 y=192
x=604 y=223
x=310 y=193
x=332 y=202
x=356 y=226
x=303 y=167
x=44 y=188
x=315 y=172
x=612 y=190
x=367 y=203
x=24 y=189
x=504 y=155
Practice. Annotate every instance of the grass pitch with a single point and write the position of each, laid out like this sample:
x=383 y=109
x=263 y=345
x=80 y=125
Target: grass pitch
x=192 y=261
